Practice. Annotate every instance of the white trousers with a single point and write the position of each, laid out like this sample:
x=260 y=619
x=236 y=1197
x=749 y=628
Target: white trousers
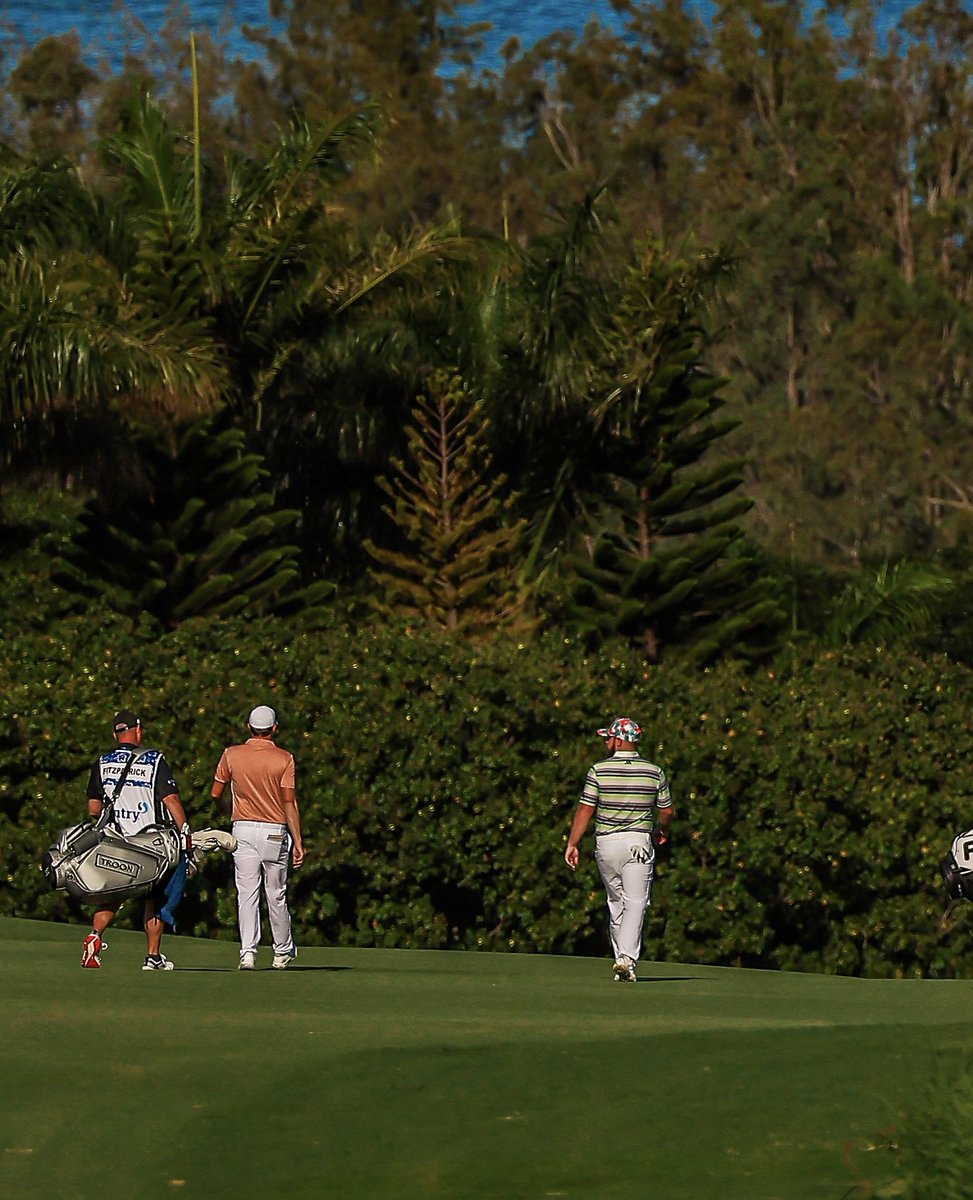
x=261 y=858
x=626 y=862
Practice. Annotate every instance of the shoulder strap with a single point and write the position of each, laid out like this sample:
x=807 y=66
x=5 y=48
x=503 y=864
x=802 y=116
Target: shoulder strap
x=109 y=803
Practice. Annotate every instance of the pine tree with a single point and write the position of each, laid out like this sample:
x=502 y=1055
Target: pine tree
x=456 y=567
x=669 y=563
x=194 y=535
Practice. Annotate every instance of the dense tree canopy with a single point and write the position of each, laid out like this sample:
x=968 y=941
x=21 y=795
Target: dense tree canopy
x=776 y=198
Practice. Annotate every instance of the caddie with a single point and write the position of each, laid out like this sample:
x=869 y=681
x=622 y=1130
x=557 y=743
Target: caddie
x=624 y=793
x=139 y=785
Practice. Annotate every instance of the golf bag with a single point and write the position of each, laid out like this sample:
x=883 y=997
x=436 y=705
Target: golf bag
x=95 y=863
x=957 y=867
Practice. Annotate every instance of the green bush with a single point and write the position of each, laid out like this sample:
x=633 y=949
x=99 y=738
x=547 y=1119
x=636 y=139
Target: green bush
x=437 y=783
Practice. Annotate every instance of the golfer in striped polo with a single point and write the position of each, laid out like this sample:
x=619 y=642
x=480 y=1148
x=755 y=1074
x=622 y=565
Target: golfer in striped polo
x=624 y=793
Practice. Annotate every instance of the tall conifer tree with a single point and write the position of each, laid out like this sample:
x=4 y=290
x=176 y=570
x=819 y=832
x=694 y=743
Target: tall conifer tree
x=195 y=535
x=457 y=565
x=669 y=563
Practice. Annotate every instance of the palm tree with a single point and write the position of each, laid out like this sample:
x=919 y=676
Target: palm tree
x=77 y=342
x=311 y=319
x=540 y=335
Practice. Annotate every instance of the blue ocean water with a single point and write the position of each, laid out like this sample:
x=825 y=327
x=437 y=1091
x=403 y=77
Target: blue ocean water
x=98 y=23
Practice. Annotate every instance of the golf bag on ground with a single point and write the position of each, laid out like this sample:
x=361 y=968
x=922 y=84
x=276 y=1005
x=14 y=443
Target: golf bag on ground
x=957 y=867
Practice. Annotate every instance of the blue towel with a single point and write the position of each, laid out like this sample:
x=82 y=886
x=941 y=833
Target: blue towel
x=174 y=890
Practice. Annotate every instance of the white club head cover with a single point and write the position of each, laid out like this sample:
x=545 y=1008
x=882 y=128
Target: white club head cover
x=205 y=840
x=213 y=839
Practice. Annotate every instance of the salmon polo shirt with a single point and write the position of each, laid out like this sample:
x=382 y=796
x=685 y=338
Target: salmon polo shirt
x=257 y=770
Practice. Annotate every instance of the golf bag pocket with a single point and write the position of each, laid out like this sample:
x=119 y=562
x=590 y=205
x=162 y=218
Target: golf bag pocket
x=113 y=866
x=70 y=843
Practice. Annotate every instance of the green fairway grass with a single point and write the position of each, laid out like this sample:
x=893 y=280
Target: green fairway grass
x=405 y=1074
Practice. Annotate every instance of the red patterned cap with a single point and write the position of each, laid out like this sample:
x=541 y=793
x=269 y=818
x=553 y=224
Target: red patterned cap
x=624 y=728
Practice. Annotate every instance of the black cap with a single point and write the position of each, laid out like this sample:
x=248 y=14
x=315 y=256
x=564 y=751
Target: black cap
x=125 y=719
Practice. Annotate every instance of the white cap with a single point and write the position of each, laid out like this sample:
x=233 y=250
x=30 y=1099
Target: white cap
x=262 y=718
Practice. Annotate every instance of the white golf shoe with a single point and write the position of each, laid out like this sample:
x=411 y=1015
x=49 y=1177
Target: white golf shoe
x=248 y=961
x=157 y=962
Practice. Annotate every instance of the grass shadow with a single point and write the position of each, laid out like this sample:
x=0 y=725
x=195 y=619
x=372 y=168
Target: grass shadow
x=237 y=971
x=668 y=978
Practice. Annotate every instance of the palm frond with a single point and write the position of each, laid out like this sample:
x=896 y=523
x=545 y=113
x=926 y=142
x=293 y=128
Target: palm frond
x=895 y=602
x=271 y=208
x=41 y=206
x=153 y=160
x=403 y=261
x=72 y=336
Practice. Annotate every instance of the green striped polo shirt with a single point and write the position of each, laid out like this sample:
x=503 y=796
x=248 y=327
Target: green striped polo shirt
x=623 y=790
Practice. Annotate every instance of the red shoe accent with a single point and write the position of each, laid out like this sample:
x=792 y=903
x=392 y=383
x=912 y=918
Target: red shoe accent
x=91 y=950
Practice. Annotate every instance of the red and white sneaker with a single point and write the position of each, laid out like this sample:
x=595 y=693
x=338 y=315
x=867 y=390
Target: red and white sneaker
x=91 y=951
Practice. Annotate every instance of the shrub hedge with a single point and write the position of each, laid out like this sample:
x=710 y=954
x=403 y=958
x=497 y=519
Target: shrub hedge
x=437 y=780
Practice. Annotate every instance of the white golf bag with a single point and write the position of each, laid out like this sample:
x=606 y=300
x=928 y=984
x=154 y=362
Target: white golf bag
x=957 y=867
x=94 y=863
